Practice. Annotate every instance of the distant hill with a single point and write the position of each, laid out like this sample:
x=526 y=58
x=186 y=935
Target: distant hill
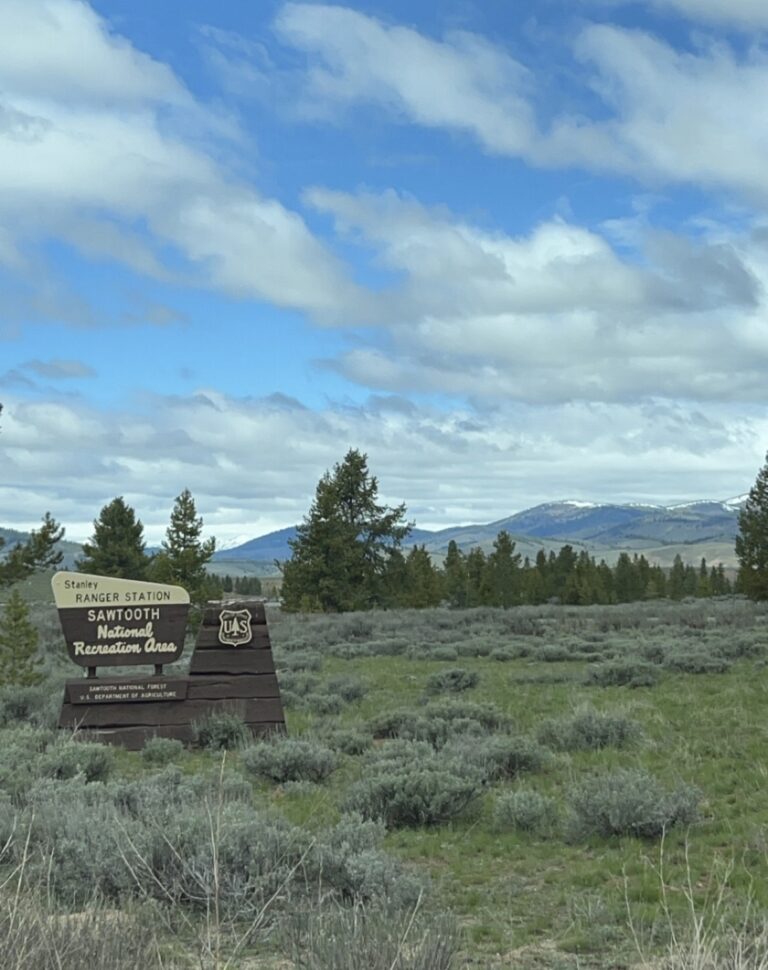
x=693 y=530
x=605 y=530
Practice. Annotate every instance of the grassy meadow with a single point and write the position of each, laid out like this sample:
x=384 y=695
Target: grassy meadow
x=542 y=787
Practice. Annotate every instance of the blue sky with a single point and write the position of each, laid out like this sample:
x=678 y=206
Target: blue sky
x=516 y=252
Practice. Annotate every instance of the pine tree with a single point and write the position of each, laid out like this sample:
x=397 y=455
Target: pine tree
x=184 y=555
x=342 y=549
x=455 y=576
x=117 y=545
x=38 y=552
x=19 y=661
x=676 y=584
x=477 y=586
x=422 y=580
x=502 y=572
x=752 y=540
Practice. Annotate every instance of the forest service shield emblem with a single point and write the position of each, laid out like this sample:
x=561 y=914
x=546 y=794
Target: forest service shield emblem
x=235 y=627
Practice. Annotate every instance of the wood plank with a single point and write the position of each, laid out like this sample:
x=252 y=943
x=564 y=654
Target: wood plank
x=214 y=686
x=254 y=607
x=167 y=713
x=232 y=661
x=208 y=637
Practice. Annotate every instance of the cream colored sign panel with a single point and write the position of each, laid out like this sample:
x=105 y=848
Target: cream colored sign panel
x=81 y=589
x=110 y=622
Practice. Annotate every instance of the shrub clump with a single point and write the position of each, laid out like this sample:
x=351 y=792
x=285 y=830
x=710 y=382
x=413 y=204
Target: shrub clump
x=627 y=672
x=162 y=751
x=439 y=720
x=696 y=662
x=372 y=938
x=221 y=731
x=68 y=758
x=290 y=759
x=499 y=756
x=629 y=801
x=451 y=681
x=588 y=730
x=525 y=811
x=347 y=740
x=418 y=794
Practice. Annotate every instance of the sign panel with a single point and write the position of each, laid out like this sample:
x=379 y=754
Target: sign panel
x=113 y=622
x=126 y=691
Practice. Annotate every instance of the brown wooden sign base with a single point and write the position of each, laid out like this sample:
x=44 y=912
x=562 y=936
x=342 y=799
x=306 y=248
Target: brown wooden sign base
x=235 y=677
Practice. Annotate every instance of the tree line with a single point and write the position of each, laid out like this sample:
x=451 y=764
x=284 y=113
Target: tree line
x=502 y=578
x=348 y=555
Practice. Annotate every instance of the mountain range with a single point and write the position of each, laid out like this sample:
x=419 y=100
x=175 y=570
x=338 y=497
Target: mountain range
x=694 y=530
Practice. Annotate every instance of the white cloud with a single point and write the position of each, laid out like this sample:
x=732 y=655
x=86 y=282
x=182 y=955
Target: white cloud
x=741 y=13
x=676 y=116
x=558 y=314
x=63 y=50
x=97 y=139
x=447 y=467
x=462 y=82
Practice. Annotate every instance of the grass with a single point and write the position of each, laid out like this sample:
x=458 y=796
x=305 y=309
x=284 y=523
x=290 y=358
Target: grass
x=531 y=898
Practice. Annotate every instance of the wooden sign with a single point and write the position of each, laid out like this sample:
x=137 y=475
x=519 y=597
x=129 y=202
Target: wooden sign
x=113 y=622
x=231 y=671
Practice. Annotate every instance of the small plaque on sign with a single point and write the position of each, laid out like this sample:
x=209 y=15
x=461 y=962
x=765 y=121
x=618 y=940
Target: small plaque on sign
x=112 y=622
x=126 y=691
x=235 y=627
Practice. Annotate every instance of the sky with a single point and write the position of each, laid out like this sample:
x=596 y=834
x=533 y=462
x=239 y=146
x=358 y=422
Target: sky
x=515 y=251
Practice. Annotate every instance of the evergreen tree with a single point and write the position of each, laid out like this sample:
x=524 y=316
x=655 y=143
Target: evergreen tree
x=19 y=661
x=184 y=554
x=477 y=590
x=38 y=552
x=422 y=580
x=455 y=576
x=676 y=584
x=342 y=548
x=117 y=545
x=502 y=570
x=752 y=540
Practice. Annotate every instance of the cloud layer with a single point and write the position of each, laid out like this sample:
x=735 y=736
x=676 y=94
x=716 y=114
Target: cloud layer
x=506 y=362
x=459 y=466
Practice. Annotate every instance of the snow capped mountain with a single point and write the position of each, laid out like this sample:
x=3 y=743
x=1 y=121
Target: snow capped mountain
x=590 y=524
x=233 y=543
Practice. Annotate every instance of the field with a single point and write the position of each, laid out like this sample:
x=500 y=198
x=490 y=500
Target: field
x=534 y=788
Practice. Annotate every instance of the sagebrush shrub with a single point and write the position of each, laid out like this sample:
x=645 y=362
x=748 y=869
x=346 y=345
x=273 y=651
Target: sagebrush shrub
x=451 y=681
x=67 y=758
x=498 y=756
x=588 y=729
x=413 y=795
x=438 y=720
x=348 y=740
x=348 y=688
x=320 y=703
x=162 y=751
x=696 y=662
x=299 y=660
x=372 y=938
x=627 y=672
x=221 y=730
x=290 y=759
x=525 y=811
x=629 y=801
